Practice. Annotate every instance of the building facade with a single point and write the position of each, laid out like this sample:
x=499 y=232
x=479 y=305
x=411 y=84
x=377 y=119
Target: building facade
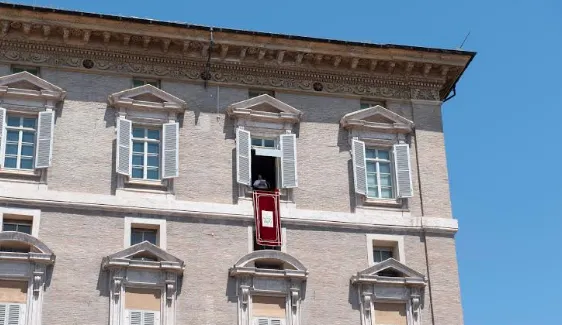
x=132 y=151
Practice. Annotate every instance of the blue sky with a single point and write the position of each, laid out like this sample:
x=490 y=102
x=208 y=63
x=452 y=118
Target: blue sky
x=509 y=102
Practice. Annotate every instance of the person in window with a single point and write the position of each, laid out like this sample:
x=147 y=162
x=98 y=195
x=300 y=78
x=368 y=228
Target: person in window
x=261 y=184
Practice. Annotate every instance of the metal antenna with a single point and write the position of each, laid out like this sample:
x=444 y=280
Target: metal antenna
x=465 y=38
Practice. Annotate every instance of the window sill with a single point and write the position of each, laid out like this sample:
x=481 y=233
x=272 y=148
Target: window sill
x=20 y=172
x=146 y=183
x=390 y=203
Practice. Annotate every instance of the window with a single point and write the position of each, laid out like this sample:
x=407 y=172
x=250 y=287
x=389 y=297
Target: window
x=141 y=82
x=390 y=313
x=20 y=142
x=32 y=70
x=263 y=143
x=268 y=310
x=383 y=247
x=142 y=306
x=370 y=103
x=138 y=230
x=13 y=302
x=138 y=235
x=379 y=174
x=381 y=254
x=17 y=225
x=257 y=92
x=146 y=153
x=265 y=164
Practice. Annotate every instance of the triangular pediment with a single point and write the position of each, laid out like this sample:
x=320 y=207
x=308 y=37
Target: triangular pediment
x=144 y=250
x=29 y=85
x=147 y=97
x=266 y=108
x=391 y=268
x=377 y=118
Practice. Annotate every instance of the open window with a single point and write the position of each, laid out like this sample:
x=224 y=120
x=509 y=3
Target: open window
x=147 y=134
x=143 y=285
x=27 y=121
x=266 y=148
x=390 y=293
x=270 y=286
x=382 y=170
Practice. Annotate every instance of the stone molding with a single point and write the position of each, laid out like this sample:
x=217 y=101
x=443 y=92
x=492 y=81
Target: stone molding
x=408 y=287
x=288 y=283
x=30 y=267
x=124 y=271
x=359 y=120
x=160 y=101
x=30 y=88
x=250 y=109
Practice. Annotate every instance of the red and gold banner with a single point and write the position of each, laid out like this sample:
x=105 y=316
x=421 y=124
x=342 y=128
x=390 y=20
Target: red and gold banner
x=268 y=221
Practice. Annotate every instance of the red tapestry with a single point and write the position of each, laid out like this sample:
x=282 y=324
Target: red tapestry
x=266 y=214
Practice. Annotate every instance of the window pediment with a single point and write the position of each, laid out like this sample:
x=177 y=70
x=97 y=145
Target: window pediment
x=158 y=258
x=389 y=271
x=39 y=252
x=378 y=119
x=147 y=97
x=24 y=85
x=289 y=266
x=264 y=108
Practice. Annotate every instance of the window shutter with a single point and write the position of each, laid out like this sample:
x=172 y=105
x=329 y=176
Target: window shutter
x=276 y=321
x=359 y=168
x=150 y=318
x=14 y=313
x=243 y=156
x=123 y=155
x=45 y=129
x=288 y=160
x=135 y=318
x=403 y=170
x=170 y=145
x=3 y=310
x=261 y=321
x=2 y=138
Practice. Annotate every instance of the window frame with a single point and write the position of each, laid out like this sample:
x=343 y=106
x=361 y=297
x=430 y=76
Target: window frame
x=145 y=81
x=392 y=242
x=30 y=215
x=21 y=129
x=145 y=223
x=26 y=68
x=145 y=141
x=377 y=161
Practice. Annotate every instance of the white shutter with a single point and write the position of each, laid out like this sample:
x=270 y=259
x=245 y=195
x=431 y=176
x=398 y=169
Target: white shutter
x=403 y=170
x=3 y=311
x=45 y=128
x=135 y=318
x=359 y=166
x=14 y=313
x=2 y=136
x=149 y=318
x=243 y=156
x=276 y=321
x=261 y=321
x=123 y=155
x=288 y=160
x=170 y=145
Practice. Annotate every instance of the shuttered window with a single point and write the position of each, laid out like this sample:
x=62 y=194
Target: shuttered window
x=12 y=314
x=20 y=142
x=379 y=174
x=268 y=321
x=146 y=153
x=142 y=317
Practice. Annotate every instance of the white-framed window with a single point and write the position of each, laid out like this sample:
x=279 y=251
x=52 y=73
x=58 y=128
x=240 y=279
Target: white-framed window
x=137 y=82
x=264 y=143
x=20 y=141
x=382 y=247
x=20 y=68
x=146 y=153
x=380 y=177
x=138 y=230
x=12 y=313
x=21 y=220
x=258 y=92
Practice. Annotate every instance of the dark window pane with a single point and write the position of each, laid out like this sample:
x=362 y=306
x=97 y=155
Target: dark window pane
x=11 y=149
x=150 y=236
x=13 y=136
x=10 y=227
x=153 y=161
x=137 y=82
x=269 y=143
x=25 y=229
x=27 y=150
x=137 y=173
x=10 y=162
x=138 y=132
x=152 y=174
x=13 y=121
x=136 y=237
x=138 y=146
x=138 y=160
x=28 y=137
x=153 y=148
x=153 y=134
x=26 y=163
x=256 y=142
x=29 y=122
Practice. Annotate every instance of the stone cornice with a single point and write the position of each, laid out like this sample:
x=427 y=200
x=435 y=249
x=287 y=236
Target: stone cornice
x=88 y=43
